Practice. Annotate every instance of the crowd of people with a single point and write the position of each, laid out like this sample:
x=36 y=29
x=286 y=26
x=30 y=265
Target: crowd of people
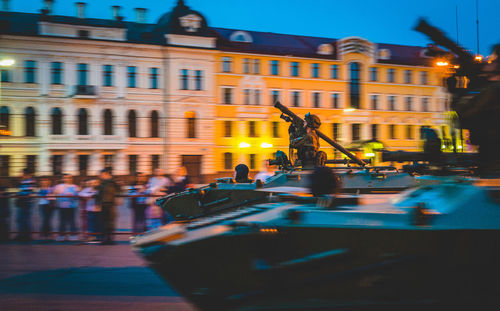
x=95 y=201
x=95 y=198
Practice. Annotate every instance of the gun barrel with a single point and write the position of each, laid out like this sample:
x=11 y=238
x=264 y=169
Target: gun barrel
x=333 y=143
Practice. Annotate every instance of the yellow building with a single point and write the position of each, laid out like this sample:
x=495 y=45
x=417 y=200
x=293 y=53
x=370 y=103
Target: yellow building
x=361 y=91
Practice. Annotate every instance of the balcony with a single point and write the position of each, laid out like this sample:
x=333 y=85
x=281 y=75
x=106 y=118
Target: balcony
x=85 y=91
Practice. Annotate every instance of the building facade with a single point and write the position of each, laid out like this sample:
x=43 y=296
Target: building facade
x=87 y=93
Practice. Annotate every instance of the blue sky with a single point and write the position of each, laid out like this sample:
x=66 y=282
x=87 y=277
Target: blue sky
x=382 y=21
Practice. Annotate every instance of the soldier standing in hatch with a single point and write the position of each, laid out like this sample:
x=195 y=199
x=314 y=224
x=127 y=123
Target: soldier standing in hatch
x=307 y=144
x=107 y=192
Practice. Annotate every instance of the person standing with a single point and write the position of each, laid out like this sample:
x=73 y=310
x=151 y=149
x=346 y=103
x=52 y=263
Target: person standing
x=67 y=205
x=107 y=192
x=159 y=181
x=180 y=180
x=23 y=203
x=139 y=204
x=4 y=213
x=92 y=209
x=46 y=205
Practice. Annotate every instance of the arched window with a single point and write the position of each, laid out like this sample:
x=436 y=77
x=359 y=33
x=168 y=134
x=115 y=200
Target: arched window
x=154 y=124
x=354 y=84
x=4 y=118
x=57 y=120
x=29 y=119
x=190 y=124
x=108 y=122
x=83 y=122
x=132 y=123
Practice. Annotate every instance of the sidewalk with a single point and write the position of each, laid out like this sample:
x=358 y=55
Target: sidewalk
x=70 y=276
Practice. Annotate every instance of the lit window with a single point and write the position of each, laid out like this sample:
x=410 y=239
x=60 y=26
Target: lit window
x=275 y=67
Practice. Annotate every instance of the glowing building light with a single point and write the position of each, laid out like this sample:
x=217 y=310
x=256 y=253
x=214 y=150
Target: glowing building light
x=349 y=109
x=7 y=62
x=478 y=58
x=442 y=63
x=244 y=145
x=369 y=154
x=266 y=145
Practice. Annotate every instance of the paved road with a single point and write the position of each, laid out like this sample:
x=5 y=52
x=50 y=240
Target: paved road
x=67 y=276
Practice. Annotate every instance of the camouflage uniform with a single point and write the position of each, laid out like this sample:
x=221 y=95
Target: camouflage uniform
x=307 y=144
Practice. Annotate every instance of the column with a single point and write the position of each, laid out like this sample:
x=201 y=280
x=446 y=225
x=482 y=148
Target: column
x=44 y=165
x=69 y=163
x=121 y=80
x=69 y=76
x=95 y=163
x=44 y=77
x=121 y=164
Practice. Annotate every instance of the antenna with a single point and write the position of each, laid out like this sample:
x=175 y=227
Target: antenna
x=456 y=21
x=477 y=24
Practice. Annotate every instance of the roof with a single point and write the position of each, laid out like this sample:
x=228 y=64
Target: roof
x=26 y=24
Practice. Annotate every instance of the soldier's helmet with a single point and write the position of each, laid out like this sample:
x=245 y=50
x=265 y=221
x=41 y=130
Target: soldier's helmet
x=312 y=120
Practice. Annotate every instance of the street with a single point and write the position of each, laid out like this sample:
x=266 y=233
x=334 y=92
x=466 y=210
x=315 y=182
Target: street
x=70 y=276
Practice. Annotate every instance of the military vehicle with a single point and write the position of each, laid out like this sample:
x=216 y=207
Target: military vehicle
x=430 y=246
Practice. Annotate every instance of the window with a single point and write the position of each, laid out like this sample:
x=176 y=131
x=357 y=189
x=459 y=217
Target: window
x=132 y=123
x=31 y=163
x=57 y=121
x=392 y=102
x=228 y=161
x=227 y=95
x=275 y=67
x=256 y=66
x=57 y=163
x=29 y=119
x=257 y=97
x=5 y=75
x=132 y=164
x=374 y=131
x=316 y=99
x=409 y=132
x=246 y=65
x=30 y=71
x=334 y=71
x=4 y=165
x=84 y=34
x=82 y=74
x=354 y=88
x=56 y=73
x=408 y=76
x=275 y=129
x=425 y=104
x=275 y=96
x=83 y=127
x=356 y=131
x=423 y=77
x=294 y=69
x=315 y=70
x=392 y=131
x=246 y=96
x=336 y=131
x=374 y=102
x=226 y=64
x=251 y=161
x=296 y=98
x=154 y=130
x=83 y=164
x=373 y=73
x=184 y=75
x=251 y=129
x=409 y=103
x=190 y=124
x=198 y=80
x=108 y=122
x=108 y=161
x=132 y=75
x=155 y=162
x=390 y=75
x=107 y=75
x=4 y=118
x=228 y=128
x=153 y=78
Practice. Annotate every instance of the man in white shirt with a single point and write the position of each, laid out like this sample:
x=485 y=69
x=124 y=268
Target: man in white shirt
x=265 y=173
x=159 y=181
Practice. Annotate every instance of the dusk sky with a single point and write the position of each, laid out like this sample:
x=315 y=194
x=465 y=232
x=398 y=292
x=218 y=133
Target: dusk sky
x=382 y=21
